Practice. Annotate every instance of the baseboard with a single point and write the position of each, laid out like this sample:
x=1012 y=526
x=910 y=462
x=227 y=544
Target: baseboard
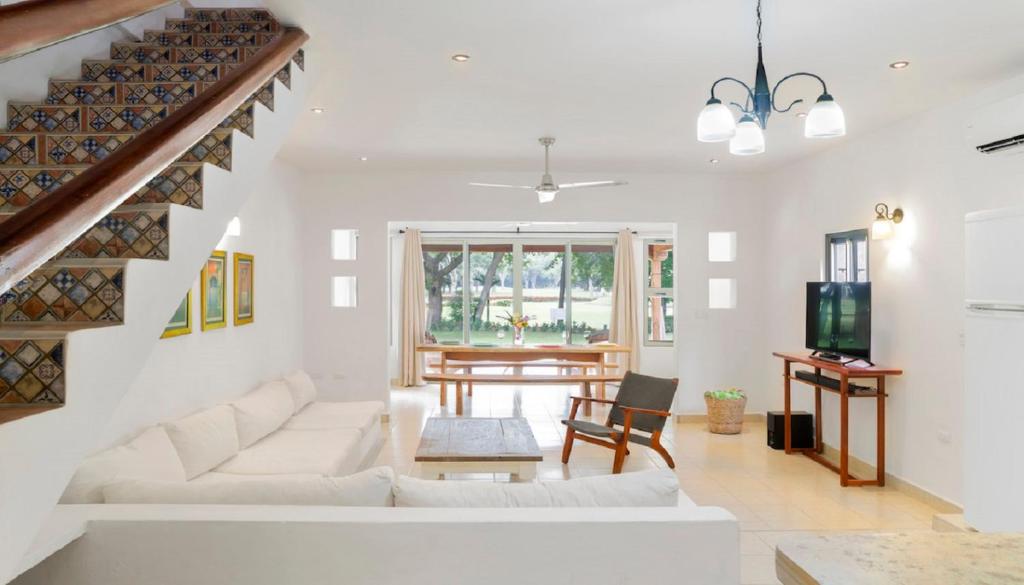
x=861 y=468
x=703 y=418
x=950 y=523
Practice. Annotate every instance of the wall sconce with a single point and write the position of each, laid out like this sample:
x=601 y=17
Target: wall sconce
x=884 y=225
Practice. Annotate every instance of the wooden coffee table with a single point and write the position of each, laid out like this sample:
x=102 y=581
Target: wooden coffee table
x=478 y=445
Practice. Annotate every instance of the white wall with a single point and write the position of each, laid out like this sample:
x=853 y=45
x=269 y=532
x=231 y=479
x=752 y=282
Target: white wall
x=348 y=348
x=924 y=166
x=193 y=371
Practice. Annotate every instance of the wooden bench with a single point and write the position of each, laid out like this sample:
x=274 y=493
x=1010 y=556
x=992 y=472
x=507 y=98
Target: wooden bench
x=564 y=366
x=584 y=380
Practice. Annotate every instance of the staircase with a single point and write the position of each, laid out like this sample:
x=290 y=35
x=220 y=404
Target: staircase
x=76 y=332
x=82 y=121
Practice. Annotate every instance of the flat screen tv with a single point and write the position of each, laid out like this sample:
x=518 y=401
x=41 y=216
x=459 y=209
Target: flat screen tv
x=839 y=319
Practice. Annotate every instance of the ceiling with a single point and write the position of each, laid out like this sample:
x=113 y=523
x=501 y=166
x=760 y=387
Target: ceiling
x=619 y=83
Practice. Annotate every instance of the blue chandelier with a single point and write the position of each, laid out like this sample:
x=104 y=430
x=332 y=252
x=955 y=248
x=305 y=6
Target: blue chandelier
x=716 y=122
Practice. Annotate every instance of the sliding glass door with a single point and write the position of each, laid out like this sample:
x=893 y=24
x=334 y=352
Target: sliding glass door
x=563 y=287
x=490 y=292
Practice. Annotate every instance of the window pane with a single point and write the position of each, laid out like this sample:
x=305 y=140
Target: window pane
x=442 y=271
x=544 y=292
x=862 y=260
x=840 y=255
x=659 y=265
x=592 y=268
x=490 y=276
x=660 y=319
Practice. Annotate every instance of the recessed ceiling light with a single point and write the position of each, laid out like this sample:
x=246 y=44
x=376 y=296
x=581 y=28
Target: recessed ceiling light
x=317 y=110
x=713 y=161
x=363 y=158
x=899 y=64
x=801 y=114
x=460 y=57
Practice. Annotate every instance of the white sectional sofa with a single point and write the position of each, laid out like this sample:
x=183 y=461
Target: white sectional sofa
x=277 y=431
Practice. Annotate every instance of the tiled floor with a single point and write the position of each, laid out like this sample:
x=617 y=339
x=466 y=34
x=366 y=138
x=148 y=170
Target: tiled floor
x=772 y=494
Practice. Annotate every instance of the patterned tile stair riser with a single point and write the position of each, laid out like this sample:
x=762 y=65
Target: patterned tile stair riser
x=118 y=118
x=187 y=39
x=79 y=149
x=228 y=26
x=153 y=53
x=70 y=93
x=116 y=71
x=181 y=184
x=67 y=294
x=31 y=371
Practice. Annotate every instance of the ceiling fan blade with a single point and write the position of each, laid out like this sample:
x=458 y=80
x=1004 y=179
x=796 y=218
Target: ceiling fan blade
x=502 y=186
x=592 y=184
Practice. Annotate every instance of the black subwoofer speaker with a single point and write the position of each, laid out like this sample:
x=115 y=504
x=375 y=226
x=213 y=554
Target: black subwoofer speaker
x=802 y=433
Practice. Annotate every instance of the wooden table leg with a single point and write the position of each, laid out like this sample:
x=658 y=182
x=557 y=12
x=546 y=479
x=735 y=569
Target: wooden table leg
x=844 y=431
x=819 y=446
x=601 y=370
x=587 y=408
x=787 y=433
x=469 y=385
x=880 y=405
x=444 y=385
x=458 y=398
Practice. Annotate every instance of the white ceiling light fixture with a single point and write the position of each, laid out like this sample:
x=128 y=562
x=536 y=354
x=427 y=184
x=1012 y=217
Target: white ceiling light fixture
x=547 y=189
x=716 y=123
x=317 y=110
x=460 y=57
x=899 y=65
x=364 y=159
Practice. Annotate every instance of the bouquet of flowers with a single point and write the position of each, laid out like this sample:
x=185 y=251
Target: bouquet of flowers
x=516 y=321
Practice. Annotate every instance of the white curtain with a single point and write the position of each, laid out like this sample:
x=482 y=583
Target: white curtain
x=625 y=302
x=414 y=309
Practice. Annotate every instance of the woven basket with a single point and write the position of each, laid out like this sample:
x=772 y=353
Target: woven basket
x=725 y=417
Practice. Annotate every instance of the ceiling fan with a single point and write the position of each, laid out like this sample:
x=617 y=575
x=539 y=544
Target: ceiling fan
x=547 y=189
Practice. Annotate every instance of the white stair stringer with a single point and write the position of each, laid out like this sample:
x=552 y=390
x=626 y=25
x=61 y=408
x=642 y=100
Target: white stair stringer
x=38 y=454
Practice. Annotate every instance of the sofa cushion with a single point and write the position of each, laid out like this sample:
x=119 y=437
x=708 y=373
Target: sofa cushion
x=150 y=456
x=211 y=477
x=205 y=439
x=302 y=388
x=328 y=452
x=337 y=415
x=628 y=490
x=262 y=411
x=368 y=488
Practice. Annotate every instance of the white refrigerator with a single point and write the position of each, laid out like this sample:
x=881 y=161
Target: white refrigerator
x=994 y=371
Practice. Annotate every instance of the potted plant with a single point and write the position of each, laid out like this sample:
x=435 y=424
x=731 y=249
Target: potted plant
x=725 y=411
x=518 y=323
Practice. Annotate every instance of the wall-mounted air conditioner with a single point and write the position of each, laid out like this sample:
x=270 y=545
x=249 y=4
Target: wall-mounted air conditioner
x=998 y=128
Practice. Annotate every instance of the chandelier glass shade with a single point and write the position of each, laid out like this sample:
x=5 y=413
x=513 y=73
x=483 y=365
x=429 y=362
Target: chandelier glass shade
x=749 y=138
x=717 y=124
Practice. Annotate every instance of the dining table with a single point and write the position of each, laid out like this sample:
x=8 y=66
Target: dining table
x=483 y=354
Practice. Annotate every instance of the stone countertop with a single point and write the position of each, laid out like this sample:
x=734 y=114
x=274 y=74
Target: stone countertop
x=913 y=558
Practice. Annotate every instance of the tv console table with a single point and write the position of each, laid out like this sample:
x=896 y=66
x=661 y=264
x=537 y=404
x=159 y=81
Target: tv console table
x=846 y=391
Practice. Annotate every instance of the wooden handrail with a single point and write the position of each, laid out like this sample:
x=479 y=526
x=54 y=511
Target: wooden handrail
x=37 y=233
x=34 y=24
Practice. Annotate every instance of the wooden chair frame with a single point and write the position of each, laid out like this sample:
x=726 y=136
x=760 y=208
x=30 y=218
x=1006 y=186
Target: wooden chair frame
x=619 y=439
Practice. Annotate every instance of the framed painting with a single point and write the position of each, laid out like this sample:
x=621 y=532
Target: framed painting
x=213 y=291
x=181 y=320
x=243 y=284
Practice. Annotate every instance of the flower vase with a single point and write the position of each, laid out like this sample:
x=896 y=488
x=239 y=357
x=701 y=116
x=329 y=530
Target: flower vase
x=519 y=336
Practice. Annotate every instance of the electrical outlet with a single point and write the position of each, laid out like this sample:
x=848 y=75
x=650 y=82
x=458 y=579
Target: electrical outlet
x=945 y=436
x=963 y=339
